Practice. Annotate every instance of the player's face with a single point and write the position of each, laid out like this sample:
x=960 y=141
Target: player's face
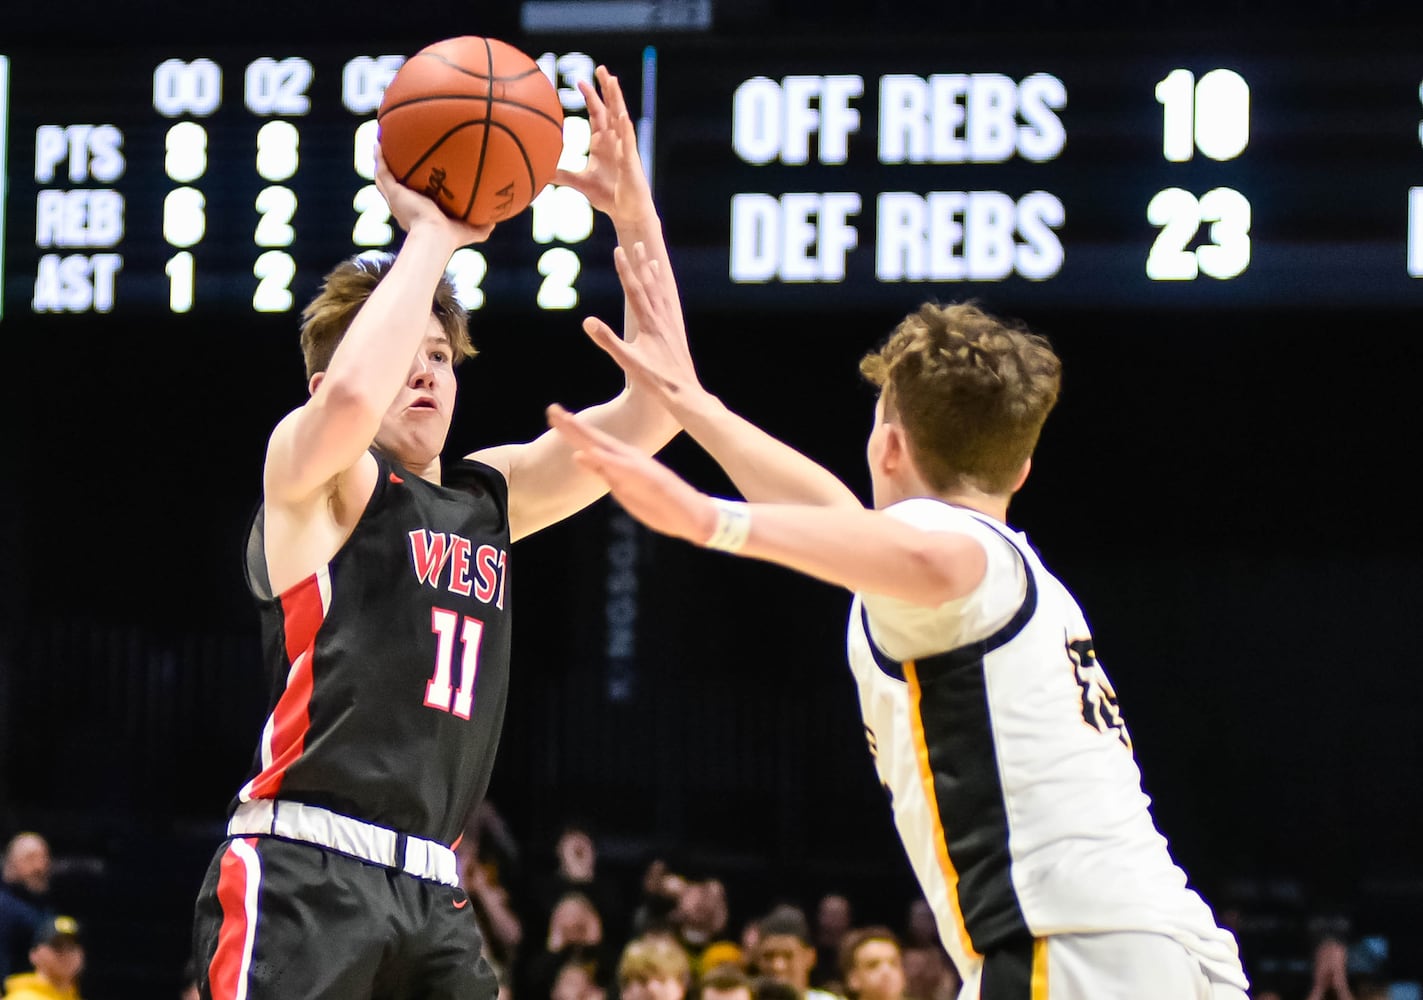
x=415 y=426
x=878 y=973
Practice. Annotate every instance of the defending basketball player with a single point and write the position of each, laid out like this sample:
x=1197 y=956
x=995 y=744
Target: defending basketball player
x=381 y=577
x=990 y=720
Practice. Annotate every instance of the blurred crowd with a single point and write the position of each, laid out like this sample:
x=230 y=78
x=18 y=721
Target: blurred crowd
x=563 y=928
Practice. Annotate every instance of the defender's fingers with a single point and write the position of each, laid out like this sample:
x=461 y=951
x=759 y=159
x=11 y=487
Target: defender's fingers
x=606 y=338
x=635 y=285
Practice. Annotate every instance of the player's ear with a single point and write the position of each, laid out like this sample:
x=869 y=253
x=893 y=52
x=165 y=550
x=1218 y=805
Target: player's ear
x=315 y=381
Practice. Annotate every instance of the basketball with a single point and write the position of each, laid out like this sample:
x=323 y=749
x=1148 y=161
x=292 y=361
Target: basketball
x=474 y=124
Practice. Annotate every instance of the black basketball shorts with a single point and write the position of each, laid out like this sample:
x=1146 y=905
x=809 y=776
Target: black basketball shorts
x=282 y=920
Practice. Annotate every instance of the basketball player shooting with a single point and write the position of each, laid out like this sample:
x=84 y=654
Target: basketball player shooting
x=991 y=723
x=381 y=577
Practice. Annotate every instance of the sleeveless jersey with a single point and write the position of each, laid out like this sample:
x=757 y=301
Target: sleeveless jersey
x=1011 y=775
x=391 y=662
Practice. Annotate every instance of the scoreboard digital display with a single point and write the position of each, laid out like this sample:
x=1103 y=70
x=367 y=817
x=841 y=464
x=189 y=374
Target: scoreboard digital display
x=229 y=181
x=1102 y=172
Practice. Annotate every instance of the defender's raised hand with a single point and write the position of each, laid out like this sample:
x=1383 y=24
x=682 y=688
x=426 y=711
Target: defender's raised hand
x=659 y=360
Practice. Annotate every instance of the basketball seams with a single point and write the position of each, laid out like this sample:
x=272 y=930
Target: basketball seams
x=434 y=147
x=502 y=101
x=519 y=145
x=484 y=140
x=492 y=77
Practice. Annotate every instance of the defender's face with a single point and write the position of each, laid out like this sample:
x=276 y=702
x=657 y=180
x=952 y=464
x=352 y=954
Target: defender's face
x=418 y=421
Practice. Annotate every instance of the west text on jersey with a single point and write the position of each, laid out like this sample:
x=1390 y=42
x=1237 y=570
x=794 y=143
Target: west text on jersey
x=432 y=552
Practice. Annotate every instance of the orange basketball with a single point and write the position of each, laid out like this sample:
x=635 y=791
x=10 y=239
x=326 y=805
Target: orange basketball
x=473 y=123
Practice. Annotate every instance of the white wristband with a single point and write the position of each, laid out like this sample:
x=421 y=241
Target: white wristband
x=733 y=525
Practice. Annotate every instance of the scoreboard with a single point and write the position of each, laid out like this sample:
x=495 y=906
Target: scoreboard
x=1095 y=172
x=1161 y=171
x=230 y=181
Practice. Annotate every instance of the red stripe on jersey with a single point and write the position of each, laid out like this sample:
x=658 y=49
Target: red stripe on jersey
x=232 y=959
x=303 y=611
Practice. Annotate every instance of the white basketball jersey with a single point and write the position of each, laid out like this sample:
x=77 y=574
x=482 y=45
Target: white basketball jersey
x=1013 y=784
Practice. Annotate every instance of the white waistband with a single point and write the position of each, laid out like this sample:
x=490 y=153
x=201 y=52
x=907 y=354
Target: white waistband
x=297 y=821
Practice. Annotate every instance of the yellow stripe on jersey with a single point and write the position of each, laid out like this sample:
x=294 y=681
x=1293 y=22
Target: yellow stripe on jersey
x=1039 y=987
x=926 y=776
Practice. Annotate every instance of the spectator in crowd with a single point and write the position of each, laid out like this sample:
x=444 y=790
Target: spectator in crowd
x=725 y=981
x=498 y=924
x=771 y=988
x=1331 y=970
x=487 y=837
x=928 y=973
x=576 y=858
x=654 y=968
x=699 y=917
x=871 y=964
x=720 y=953
x=575 y=981
x=833 y=919
x=785 y=951
x=662 y=889
x=24 y=898
x=750 y=941
x=57 y=956
x=575 y=934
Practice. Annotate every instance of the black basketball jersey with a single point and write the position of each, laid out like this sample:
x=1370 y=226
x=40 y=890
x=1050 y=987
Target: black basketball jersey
x=392 y=661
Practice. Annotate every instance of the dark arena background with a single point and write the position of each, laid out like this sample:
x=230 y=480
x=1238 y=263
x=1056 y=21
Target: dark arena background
x=1214 y=210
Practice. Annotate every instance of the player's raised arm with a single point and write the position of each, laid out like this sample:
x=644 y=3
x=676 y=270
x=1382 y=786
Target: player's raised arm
x=862 y=550
x=335 y=427
x=762 y=467
x=545 y=483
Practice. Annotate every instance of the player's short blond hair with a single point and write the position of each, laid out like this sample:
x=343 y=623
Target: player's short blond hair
x=345 y=289
x=970 y=390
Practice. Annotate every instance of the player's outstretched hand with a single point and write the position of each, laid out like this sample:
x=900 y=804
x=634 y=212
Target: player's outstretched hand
x=410 y=208
x=613 y=179
x=647 y=489
x=659 y=358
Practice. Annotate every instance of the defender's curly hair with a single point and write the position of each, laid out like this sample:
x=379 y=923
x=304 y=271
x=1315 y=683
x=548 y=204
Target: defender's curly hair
x=971 y=391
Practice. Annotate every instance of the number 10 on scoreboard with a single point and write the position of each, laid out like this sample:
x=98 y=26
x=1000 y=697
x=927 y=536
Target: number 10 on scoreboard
x=1210 y=115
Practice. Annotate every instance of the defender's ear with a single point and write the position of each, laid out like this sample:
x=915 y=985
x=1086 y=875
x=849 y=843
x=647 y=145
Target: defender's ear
x=896 y=448
x=1023 y=474
x=315 y=381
